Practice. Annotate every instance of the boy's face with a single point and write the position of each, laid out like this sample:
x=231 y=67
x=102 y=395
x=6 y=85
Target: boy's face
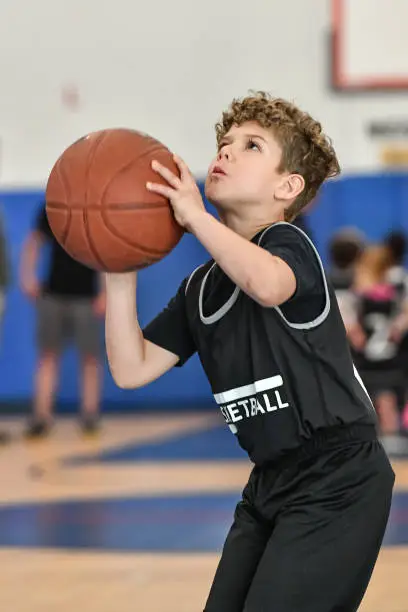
x=245 y=170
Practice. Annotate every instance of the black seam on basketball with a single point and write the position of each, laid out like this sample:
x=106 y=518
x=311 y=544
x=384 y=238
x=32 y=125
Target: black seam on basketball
x=90 y=161
x=152 y=149
x=63 y=240
x=67 y=228
x=110 y=206
x=151 y=252
x=91 y=244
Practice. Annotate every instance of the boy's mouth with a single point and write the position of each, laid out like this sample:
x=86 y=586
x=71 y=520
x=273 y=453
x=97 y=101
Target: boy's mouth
x=218 y=170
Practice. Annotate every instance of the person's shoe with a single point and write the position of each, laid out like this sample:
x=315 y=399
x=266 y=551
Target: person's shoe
x=37 y=429
x=5 y=437
x=90 y=426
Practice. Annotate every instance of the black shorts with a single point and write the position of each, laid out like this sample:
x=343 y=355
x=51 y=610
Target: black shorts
x=308 y=531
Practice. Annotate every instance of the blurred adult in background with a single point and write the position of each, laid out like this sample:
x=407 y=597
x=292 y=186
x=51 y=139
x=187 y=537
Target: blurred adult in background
x=377 y=334
x=396 y=242
x=69 y=302
x=345 y=249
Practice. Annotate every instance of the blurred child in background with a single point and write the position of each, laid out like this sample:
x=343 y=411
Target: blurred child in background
x=396 y=242
x=377 y=333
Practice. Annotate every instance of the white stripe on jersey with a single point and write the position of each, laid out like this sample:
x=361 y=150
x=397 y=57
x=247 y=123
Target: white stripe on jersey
x=258 y=386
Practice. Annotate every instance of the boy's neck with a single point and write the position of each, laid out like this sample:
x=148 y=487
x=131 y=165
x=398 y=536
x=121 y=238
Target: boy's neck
x=248 y=227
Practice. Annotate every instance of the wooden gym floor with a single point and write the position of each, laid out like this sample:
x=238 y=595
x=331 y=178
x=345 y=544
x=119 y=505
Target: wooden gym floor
x=133 y=520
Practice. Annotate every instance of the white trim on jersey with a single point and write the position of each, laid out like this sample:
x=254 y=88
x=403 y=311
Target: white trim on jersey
x=258 y=386
x=358 y=377
x=216 y=316
x=221 y=311
x=324 y=314
x=191 y=276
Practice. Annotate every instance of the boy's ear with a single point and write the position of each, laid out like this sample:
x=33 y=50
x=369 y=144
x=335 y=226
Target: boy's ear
x=290 y=187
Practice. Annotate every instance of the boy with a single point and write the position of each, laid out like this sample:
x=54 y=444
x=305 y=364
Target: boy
x=269 y=334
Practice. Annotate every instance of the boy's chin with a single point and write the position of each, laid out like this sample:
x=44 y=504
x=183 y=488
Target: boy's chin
x=217 y=201
x=220 y=205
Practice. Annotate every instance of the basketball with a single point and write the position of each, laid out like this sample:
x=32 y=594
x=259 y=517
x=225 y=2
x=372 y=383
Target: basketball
x=99 y=208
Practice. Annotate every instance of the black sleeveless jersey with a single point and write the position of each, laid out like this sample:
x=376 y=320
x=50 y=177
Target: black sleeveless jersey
x=278 y=374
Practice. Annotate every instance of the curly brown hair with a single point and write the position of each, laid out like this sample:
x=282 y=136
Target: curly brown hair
x=306 y=150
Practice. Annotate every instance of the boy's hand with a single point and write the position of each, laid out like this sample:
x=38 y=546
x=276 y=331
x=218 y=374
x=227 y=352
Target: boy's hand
x=183 y=193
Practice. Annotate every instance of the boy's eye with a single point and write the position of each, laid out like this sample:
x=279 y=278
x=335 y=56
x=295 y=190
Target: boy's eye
x=252 y=145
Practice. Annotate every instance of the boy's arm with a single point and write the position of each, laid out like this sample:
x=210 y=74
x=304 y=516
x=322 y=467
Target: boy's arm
x=138 y=357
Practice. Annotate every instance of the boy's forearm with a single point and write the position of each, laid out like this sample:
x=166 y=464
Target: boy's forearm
x=124 y=338
x=265 y=278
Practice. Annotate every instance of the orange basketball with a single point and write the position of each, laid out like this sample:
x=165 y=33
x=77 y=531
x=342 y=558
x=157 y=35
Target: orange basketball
x=98 y=206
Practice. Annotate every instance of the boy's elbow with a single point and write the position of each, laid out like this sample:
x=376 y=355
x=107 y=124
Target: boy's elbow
x=263 y=293
x=125 y=383
x=267 y=300
x=268 y=296
x=276 y=291
x=123 y=379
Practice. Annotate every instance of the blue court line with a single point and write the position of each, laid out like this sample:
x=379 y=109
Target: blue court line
x=183 y=524
x=192 y=523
